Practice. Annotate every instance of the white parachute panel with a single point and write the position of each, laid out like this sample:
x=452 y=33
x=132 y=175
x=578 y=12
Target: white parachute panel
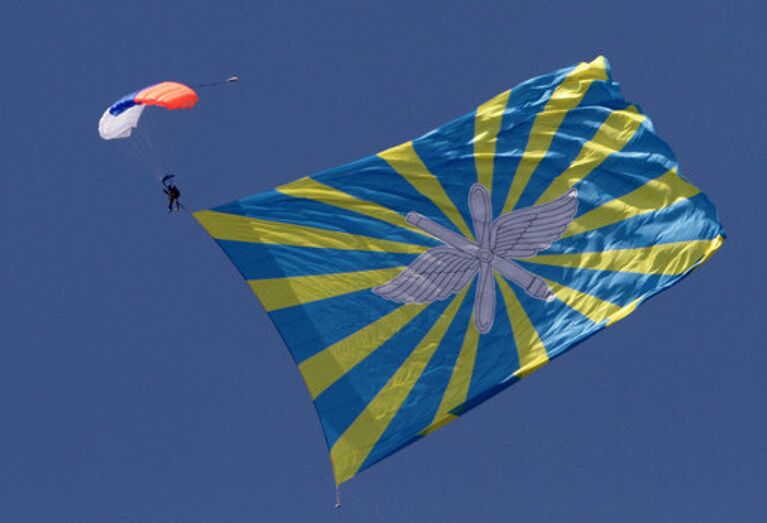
x=121 y=126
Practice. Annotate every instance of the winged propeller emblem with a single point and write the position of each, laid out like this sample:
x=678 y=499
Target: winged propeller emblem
x=447 y=269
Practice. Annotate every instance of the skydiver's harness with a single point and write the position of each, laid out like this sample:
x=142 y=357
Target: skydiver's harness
x=172 y=192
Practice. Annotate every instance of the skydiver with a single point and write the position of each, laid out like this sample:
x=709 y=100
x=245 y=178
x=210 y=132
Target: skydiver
x=173 y=193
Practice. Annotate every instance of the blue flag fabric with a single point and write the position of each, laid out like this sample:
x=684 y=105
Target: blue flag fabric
x=412 y=285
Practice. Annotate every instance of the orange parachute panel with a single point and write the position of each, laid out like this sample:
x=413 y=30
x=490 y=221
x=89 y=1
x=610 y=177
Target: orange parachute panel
x=171 y=95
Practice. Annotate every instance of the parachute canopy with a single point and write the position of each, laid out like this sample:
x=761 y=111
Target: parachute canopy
x=119 y=120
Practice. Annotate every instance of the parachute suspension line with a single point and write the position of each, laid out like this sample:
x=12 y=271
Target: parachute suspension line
x=134 y=149
x=141 y=146
x=145 y=157
x=338 y=496
x=231 y=79
x=147 y=134
x=145 y=153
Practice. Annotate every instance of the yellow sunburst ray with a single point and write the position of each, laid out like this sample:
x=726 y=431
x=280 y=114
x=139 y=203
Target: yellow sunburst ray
x=654 y=195
x=595 y=309
x=487 y=124
x=352 y=448
x=613 y=135
x=406 y=162
x=225 y=226
x=329 y=365
x=568 y=95
x=279 y=293
x=311 y=189
x=663 y=258
x=458 y=387
x=530 y=349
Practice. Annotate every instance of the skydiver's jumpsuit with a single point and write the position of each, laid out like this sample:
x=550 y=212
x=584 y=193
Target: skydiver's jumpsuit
x=173 y=195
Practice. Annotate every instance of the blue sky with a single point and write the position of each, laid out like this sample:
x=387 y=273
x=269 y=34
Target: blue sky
x=140 y=380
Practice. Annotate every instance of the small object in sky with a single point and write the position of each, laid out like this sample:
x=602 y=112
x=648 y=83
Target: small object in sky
x=412 y=285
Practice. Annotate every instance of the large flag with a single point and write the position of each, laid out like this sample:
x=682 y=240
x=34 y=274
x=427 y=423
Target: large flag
x=412 y=285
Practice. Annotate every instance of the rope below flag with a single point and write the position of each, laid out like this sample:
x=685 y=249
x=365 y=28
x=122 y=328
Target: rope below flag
x=414 y=284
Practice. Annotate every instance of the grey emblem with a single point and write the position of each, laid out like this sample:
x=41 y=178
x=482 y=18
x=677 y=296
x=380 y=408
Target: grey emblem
x=447 y=269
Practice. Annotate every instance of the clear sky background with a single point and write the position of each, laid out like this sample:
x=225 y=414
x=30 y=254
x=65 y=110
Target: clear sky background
x=141 y=381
